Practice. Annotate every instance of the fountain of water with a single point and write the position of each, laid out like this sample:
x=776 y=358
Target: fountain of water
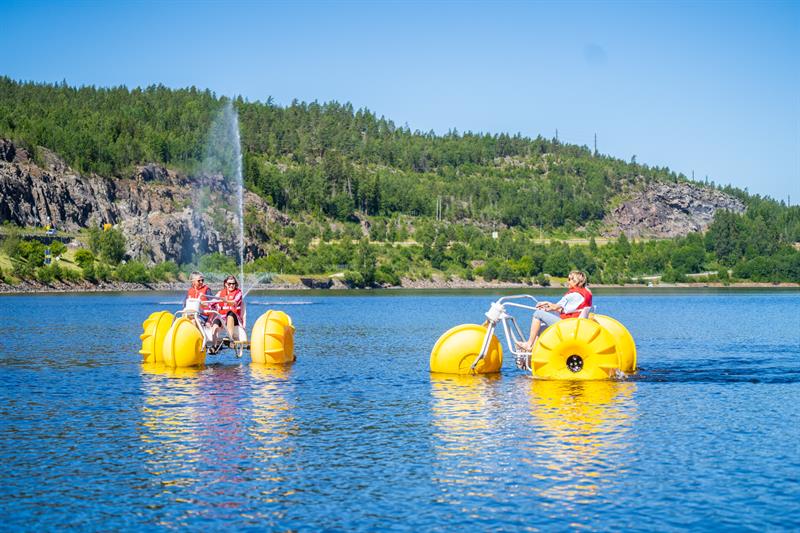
x=223 y=157
x=238 y=181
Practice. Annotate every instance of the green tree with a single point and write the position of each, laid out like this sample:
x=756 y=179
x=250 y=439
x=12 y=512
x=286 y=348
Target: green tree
x=84 y=258
x=366 y=262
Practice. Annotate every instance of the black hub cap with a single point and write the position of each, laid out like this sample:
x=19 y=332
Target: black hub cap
x=575 y=363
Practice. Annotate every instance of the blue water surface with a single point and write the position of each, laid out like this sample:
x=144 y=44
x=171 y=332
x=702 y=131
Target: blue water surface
x=358 y=435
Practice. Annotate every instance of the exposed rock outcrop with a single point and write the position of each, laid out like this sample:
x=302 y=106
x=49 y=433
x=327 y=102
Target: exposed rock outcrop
x=163 y=215
x=669 y=210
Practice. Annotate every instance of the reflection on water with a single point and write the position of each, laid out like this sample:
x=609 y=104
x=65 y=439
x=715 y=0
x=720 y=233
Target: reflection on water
x=584 y=439
x=539 y=450
x=272 y=423
x=466 y=431
x=212 y=444
x=358 y=436
x=170 y=433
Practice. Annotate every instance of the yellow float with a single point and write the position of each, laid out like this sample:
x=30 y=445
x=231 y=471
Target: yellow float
x=584 y=348
x=185 y=340
x=575 y=349
x=626 y=348
x=457 y=351
x=183 y=345
x=155 y=329
x=272 y=339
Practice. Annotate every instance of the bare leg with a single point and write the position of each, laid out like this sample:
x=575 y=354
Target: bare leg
x=231 y=325
x=536 y=325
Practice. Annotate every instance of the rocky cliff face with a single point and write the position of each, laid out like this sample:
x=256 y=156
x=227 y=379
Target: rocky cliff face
x=168 y=216
x=669 y=210
x=164 y=215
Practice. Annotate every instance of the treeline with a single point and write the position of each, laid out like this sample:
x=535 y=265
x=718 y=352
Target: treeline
x=333 y=167
x=736 y=248
x=326 y=158
x=466 y=252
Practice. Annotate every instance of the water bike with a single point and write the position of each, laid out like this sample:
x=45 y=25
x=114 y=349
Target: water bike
x=590 y=346
x=186 y=338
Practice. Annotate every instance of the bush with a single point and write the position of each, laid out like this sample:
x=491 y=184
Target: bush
x=353 y=279
x=133 y=272
x=48 y=274
x=218 y=263
x=109 y=244
x=89 y=273
x=166 y=271
x=84 y=258
x=71 y=275
x=490 y=270
x=102 y=272
x=673 y=276
x=385 y=275
x=23 y=269
x=275 y=262
x=57 y=248
x=29 y=251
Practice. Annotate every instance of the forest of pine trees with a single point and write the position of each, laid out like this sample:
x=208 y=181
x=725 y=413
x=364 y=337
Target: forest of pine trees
x=329 y=166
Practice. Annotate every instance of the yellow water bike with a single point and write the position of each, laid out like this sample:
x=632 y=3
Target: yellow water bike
x=590 y=346
x=186 y=338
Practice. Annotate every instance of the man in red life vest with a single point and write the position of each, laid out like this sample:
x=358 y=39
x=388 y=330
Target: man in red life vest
x=576 y=298
x=199 y=291
x=230 y=305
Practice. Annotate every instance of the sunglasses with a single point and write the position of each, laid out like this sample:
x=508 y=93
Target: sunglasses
x=233 y=283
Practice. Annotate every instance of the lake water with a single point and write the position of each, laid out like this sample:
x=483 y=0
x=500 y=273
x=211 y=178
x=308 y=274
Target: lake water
x=357 y=435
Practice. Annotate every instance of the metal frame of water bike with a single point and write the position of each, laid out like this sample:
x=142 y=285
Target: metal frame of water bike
x=497 y=313
x=192 y=310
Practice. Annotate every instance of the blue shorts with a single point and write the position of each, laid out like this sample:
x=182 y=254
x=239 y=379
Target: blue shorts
x=546 y=318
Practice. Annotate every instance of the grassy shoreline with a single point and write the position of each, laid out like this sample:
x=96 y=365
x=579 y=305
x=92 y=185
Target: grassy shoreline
x=417 y=285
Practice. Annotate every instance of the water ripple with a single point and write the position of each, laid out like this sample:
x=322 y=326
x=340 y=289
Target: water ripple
x=357 y=435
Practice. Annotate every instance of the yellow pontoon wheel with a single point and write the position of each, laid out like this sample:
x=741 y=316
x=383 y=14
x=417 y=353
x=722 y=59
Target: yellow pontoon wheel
x=155 y=329
x=573 y=349
x=272 y=341
x=183 y=345
x=456 y=350
x=626 y=348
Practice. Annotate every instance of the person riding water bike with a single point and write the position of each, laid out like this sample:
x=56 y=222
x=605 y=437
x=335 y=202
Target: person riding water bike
x=230 y=305
x=198 y=290
x=576 y=298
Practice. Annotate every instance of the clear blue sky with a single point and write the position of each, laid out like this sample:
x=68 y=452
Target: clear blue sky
x=709 y=87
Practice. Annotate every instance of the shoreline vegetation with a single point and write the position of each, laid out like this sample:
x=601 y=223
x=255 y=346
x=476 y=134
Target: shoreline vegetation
x=36 y=287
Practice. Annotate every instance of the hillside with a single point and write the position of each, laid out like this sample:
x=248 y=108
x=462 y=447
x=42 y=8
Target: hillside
x=321 y=177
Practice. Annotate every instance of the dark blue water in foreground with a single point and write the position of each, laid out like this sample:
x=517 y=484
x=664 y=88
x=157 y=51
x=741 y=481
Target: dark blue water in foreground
x=357 y=435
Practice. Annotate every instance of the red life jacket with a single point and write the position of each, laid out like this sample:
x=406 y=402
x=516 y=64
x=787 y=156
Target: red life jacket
x=587 y=301
x=235 y=307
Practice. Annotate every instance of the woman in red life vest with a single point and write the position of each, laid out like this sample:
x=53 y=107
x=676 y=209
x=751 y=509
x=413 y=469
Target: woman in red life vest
x=576 y=298
x=230 y=305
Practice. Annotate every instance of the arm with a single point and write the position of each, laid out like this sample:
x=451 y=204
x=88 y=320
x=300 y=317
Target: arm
x=548 y=306
x=568 y=304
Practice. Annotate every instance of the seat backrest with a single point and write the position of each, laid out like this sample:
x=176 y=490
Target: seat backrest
x=192 y=305
x=585 y=312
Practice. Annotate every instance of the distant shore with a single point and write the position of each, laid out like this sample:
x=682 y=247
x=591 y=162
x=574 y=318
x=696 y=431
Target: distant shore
x=34 y=287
